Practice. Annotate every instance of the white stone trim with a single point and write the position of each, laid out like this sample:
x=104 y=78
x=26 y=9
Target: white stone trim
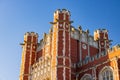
x=69 y=51
x=64 y=44
x=85 y=76
x=64 y=16
x=52 y=49
x=56 y=47
x=108 y=60
x=94 y=73
x=88 y=50
x=30 y=54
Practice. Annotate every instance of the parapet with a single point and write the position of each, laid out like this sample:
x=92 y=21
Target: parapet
x=31 y=34
x=114 y=48
x=100 y=34
x=58 y=11
x=101 y=31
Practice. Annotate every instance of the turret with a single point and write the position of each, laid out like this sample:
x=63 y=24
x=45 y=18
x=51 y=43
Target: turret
x=101 y=36
x=61 y=16
x=61 y=45
x=28 y=54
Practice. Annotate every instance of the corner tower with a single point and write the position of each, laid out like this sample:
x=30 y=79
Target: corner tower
x=28 y=54
x=101 y=36
x=61 y=69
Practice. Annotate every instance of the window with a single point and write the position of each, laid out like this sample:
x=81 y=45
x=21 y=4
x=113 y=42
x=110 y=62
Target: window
x=92 y=58
x=87 y=59
x=106 y=74
x=97 y=56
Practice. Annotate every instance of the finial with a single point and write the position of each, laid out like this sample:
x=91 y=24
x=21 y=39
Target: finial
x=73 y=29
x=87 y=31
x=79 y=27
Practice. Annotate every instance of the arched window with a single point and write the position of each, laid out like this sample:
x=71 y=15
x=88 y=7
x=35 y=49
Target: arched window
x=106 y=74
x=86 y=77
x=87 y=59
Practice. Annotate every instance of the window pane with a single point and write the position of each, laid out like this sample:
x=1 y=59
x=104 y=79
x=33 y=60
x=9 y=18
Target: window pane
x=107 y=75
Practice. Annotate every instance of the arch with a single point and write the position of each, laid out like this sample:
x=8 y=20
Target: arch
x=86 y=77
x=106 y=73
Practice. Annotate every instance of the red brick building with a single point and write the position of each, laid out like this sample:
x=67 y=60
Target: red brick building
x=67 y=53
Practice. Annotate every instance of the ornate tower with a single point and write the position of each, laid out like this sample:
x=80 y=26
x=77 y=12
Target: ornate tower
x=101 y=36
x=61 y=69
x=28 y=54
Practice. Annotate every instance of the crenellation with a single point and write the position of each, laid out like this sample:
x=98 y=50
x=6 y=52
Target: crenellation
x=101 y=31
x=114 y=48
x=27 y=33
x=117 y=47
x=31 y=34
x=104 y=30
x=57 y=11
x=63 y=10
x=110 y=50
x=83 y=36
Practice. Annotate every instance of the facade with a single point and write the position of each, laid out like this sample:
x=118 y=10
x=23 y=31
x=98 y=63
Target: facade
x=67 y=53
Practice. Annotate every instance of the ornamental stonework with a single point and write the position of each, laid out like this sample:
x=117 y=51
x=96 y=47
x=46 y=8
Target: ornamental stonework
x=69 y=53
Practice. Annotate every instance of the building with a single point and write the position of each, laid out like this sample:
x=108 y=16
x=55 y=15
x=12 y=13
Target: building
x=67 y=53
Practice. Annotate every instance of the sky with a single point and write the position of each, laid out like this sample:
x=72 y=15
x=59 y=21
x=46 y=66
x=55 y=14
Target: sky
x=20 y=16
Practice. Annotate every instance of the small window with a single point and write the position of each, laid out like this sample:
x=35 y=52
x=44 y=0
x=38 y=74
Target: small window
x=87 y=59
x=97 y=56
x=92 y=58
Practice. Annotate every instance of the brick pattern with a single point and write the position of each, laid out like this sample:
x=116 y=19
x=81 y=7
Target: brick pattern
x=28 y=55
x=67 y=54
x=63 y=60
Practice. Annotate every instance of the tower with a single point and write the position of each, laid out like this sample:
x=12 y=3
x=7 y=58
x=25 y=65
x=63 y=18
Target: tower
x=61 y=69
x=28 y=54
x=67 y=53
x=101 y=36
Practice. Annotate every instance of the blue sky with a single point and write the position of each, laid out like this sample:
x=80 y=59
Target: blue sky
x=20 y=16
